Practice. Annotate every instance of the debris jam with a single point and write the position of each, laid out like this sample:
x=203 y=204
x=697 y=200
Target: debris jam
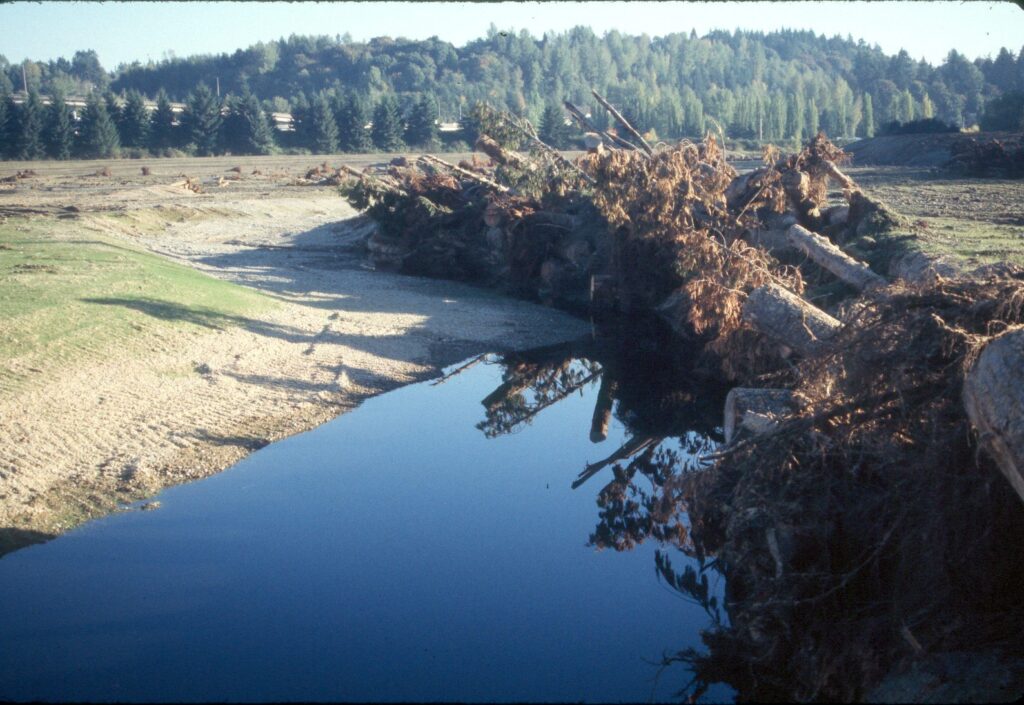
x=866 y=505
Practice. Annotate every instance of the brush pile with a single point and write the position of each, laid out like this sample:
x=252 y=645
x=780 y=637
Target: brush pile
x=999 y=158
x=868 y=530
x=866 y=524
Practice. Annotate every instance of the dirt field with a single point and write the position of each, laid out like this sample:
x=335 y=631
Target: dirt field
x=123 y=372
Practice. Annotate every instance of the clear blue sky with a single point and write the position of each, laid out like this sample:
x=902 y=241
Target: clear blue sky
x=123 y=32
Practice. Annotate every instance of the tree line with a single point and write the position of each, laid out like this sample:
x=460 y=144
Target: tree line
x=112 y=126
x=774 y=86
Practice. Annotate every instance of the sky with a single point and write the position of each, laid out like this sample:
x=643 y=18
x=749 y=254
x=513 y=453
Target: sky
x=122 y=32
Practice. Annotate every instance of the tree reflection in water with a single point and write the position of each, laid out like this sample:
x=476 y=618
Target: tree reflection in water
x=672 y=417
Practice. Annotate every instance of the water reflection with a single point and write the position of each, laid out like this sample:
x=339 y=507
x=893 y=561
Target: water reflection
x=672 y=417
x=809 y=613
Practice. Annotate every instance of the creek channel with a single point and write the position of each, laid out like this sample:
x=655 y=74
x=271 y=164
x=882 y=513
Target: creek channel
x=424 y=546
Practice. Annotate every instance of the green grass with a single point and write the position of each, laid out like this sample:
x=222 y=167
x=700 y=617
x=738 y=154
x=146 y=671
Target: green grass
x=973 y=242
x=69 y=294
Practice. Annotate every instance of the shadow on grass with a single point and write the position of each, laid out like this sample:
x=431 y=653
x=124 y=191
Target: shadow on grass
x=202 y=317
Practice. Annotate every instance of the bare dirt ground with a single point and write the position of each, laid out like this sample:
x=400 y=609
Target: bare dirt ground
x=83 y=440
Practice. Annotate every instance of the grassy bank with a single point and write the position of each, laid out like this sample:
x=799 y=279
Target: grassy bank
x=70 y=294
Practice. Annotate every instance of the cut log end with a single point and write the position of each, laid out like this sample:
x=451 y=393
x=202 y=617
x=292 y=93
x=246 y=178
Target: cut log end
x=994 y=401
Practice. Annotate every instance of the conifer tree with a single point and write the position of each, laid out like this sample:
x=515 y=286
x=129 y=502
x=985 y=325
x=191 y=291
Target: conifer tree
x=98 y=137
x=246 y=129
x=352 y=116
x=59 y=135
x=134 y=127
x=6 y=117
x=301 y=132
x=202 y=120
x=387 y=126
x=31 y=121
x=161 y=124
x=552 y=130
x=114 y=111
x=421 y=130
x=323 y=130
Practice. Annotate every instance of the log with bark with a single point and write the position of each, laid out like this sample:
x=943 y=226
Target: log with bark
x=994 y=401
x=788 y=319
x=826 y=255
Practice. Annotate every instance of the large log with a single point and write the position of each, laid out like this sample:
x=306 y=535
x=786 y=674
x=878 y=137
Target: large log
x=755 y=411
x=828 y=256
x=501 y=155
x=994 y=401
x=788 y=319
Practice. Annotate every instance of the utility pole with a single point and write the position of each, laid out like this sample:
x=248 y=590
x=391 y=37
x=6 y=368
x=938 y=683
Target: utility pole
x=24 y=79
x=218 y=86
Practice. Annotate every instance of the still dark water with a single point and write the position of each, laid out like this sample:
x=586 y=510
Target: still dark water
x=398 y=552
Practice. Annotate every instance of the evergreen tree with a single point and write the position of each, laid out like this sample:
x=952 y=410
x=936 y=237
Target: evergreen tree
x=421 y=130
x=134 y=127
x=114 y=111
x=98 y=137
x=387 y=126
x=302 y=133
x=161 y=124
x=552 y=129
x=202 y=120
x=352 y=117
x=7 y=108
x=246 y=129
x=31 y=121
x=59 y=134
x=323 y=130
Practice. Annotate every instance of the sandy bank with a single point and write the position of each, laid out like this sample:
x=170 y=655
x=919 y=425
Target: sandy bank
x=83 y=442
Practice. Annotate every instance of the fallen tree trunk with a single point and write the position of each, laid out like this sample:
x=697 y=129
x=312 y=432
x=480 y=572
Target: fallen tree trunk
x=826 y=255
x=994 y=401
x=431 y=159
x=788 y=319
x=501 y=155
x=755 y=411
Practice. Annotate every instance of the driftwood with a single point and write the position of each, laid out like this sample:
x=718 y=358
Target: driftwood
x=624 y=122
x=788 y=319
x=994 y=401
x=826 y=255
x=755 y=411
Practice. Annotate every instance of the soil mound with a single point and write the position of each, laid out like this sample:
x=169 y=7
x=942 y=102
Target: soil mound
x=916 y=150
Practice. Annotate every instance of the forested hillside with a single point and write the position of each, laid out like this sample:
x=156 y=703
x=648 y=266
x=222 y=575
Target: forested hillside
x=778 y=86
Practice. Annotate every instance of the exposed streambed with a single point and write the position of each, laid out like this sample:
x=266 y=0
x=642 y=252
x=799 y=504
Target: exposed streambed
x=421 y=547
